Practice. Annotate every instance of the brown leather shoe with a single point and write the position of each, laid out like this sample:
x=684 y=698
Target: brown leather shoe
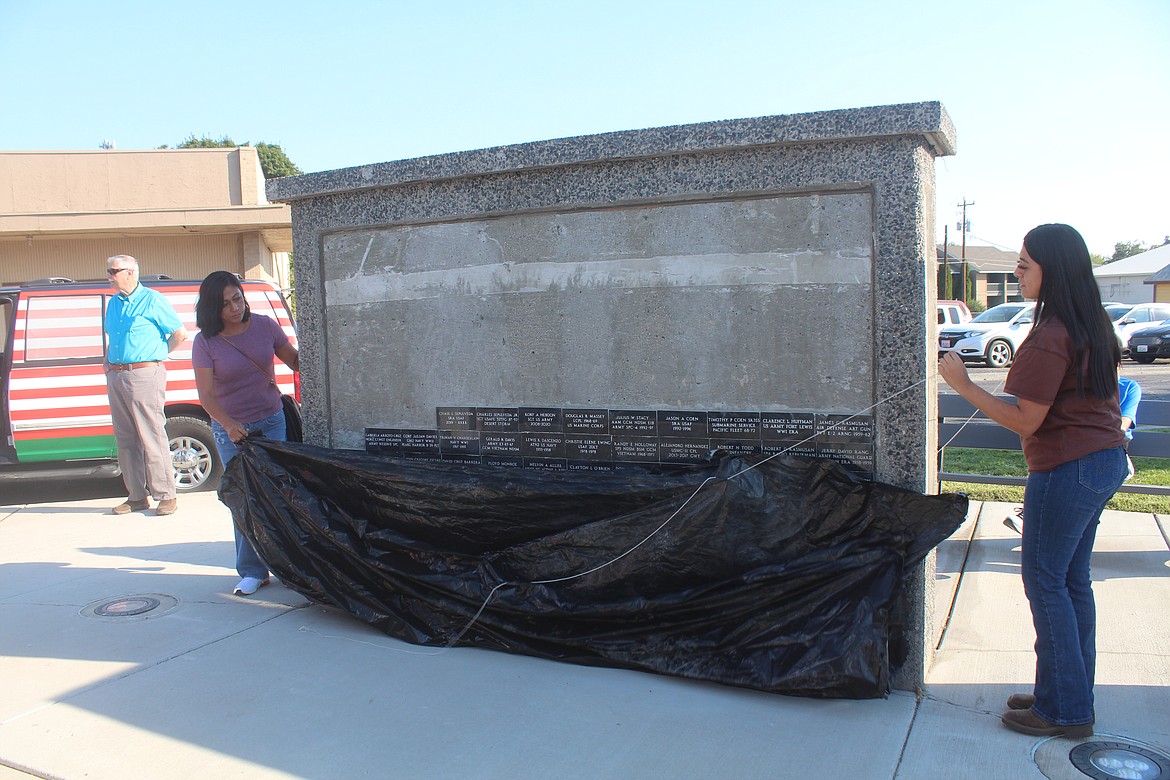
x=1021 y=701
x=129 y=506
x=167 y=506
x=1028 y=722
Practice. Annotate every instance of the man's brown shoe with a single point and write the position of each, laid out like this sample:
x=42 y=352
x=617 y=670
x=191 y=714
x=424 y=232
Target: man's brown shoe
x=129 y=506
x=1021 y=701
x=1028 y=722
x=167 y=506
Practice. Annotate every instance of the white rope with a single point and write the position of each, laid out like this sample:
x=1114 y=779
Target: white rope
x=972 y=417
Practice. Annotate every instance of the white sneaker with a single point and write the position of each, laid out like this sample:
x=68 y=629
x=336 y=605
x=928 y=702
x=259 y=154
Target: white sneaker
x=249 y=585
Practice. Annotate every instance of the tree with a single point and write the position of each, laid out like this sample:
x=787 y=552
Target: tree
x=1124 y=249
x=273 y=161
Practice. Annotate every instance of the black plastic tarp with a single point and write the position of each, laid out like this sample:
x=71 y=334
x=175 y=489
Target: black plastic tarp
x=781 y=578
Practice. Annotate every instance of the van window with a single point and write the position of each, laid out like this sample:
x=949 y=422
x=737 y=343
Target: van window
x=64 y=328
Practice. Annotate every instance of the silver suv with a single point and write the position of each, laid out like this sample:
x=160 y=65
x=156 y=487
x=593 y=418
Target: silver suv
x=992 y=337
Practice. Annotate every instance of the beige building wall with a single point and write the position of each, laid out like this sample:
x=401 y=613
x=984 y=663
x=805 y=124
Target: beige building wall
x=181 y=212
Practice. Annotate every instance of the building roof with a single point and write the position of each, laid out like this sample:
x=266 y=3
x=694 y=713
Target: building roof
x=1161 y=277
x=984 y=259
x=1149 y=262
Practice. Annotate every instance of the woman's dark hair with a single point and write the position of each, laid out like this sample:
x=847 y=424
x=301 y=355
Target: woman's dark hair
x=1069 y=292
x=209 y=306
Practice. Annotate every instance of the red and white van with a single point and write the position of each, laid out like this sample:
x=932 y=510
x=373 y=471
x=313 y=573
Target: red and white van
x=54 y=411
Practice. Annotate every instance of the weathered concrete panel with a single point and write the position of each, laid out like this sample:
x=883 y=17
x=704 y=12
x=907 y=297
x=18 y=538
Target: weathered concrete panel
x=743 y=304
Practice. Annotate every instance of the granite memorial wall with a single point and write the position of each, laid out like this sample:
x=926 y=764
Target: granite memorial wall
x=583 y=304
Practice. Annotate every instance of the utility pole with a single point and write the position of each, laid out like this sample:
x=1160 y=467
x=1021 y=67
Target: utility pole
x=948 y=285
x=965 y=226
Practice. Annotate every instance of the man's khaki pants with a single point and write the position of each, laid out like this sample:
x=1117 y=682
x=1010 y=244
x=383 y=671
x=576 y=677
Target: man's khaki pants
x=144 y=453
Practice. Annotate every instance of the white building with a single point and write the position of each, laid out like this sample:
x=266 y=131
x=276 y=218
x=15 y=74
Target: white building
x=1125 y=280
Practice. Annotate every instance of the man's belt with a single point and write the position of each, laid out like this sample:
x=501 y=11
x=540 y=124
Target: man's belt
x=132 y=366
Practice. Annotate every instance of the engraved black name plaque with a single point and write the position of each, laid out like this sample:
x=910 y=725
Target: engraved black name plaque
x=598 y=440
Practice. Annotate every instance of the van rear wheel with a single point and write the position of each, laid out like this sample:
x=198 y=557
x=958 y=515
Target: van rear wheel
x=193 y=454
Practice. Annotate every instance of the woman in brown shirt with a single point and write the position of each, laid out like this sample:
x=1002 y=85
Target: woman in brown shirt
x=1065 y=379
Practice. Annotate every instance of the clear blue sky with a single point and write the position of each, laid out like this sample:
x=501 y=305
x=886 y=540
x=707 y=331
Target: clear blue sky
x=1061 y=108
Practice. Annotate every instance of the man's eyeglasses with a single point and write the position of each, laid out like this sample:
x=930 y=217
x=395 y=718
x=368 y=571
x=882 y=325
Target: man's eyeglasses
x=115 y=271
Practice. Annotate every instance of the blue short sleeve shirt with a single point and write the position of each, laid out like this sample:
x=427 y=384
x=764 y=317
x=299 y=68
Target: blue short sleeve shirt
x=138 y=325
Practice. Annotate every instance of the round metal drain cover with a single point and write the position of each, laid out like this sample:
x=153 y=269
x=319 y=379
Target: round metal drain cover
x=1113 y=760
x=137 y=605
x=131 y=605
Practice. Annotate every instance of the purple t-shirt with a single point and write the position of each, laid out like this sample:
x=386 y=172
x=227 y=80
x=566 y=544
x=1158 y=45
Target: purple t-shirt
x=245 y=392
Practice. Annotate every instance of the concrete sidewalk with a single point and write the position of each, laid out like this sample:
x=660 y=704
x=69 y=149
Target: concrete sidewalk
x=208 y=685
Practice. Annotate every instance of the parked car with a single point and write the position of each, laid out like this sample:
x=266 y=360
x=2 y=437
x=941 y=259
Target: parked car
x=992 y=337
x=1148 y=344
x=1129 y=318
x=953 y=312
x=54 y=411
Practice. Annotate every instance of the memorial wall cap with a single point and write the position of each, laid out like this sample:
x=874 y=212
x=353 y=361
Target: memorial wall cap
x=928 y=120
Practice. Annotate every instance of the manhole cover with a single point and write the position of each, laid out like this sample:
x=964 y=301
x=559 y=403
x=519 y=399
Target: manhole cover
x=131 y=605
x=1111 y=760
x=139 y=605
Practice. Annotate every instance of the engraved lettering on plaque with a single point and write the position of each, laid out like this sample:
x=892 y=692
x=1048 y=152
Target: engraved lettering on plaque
x=682 y=425
x=586 y=421
x=420 y=441
x=469 y=460
x=738 y=425
x=497 y=419
x=845 y=427
x=789 y=426
x=458 y=443
x=502 y=461
x=797 y=448
x=542 y=445
x=858 y=458
x=537 y=419
x=499 y=444
x=684 y=450
x=635 y=449
x=455 y=418
x=589 y=466
x=633 y=423
x=737 y=447
x=588 y=448
x=546 y=464
x=384 y=441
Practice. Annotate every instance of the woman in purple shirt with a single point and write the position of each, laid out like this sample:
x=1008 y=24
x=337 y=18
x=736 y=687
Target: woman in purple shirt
x=233 y=356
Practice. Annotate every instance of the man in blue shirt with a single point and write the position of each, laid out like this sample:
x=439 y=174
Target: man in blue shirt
x=143 y=329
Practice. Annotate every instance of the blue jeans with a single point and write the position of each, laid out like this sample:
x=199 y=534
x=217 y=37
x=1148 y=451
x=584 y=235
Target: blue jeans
x=248 y=563
x=1062 y=509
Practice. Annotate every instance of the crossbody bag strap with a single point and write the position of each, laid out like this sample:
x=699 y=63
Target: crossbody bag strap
x=271 y=378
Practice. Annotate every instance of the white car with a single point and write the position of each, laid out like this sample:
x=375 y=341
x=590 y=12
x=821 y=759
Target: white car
x=992 y=337
x=1129 y=318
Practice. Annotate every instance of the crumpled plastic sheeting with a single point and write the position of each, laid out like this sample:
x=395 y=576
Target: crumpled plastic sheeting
x=781 y=579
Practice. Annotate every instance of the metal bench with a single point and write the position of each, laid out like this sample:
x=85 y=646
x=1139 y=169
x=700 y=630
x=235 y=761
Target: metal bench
x=1151 y=438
